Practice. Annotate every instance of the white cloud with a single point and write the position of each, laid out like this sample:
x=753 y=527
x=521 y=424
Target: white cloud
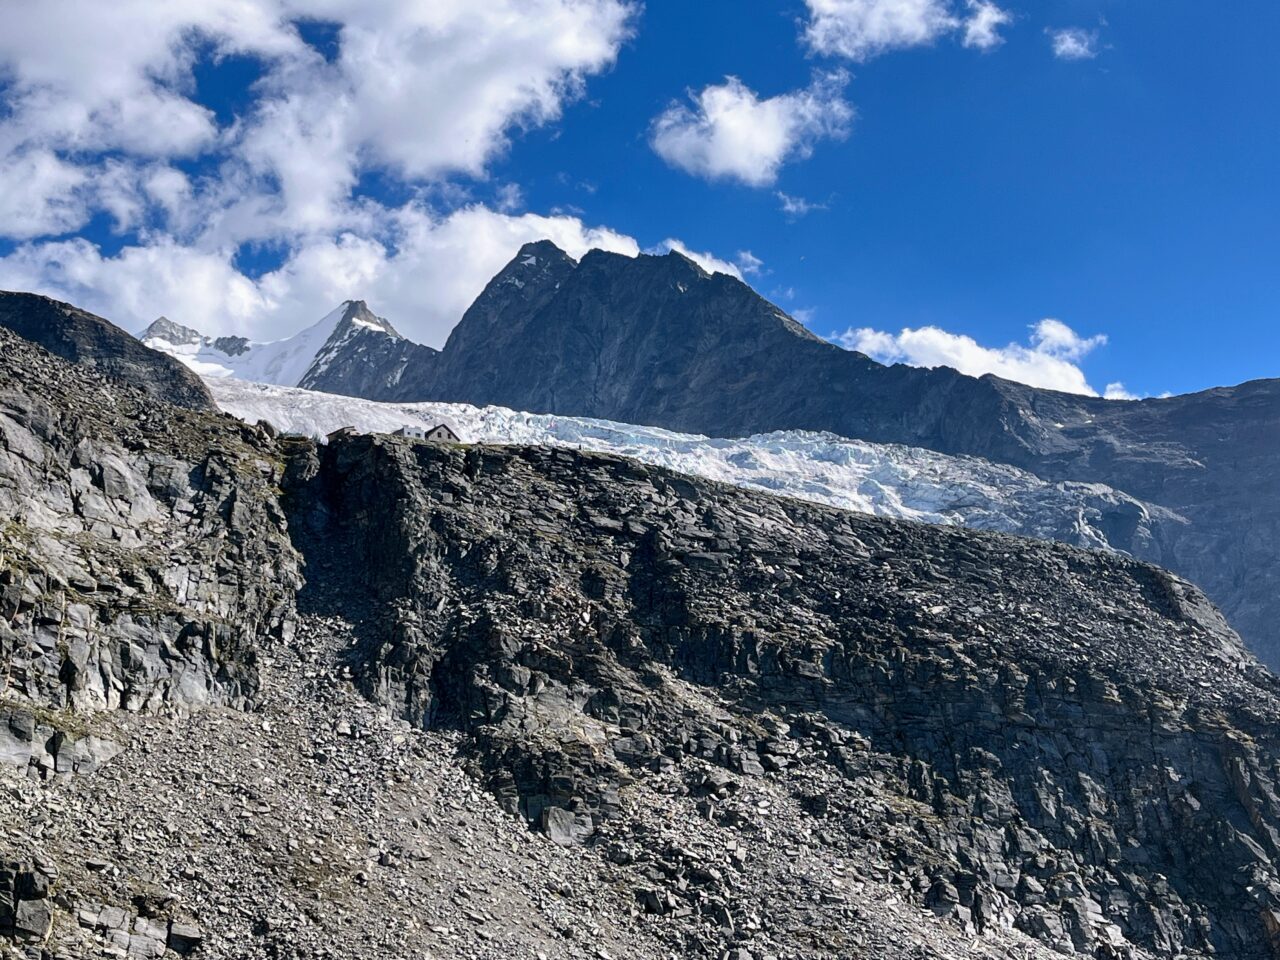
x=85 y=75
x=421 y=90
x=743 y=264
x=460 y=73
x=99 y=103
x=862 y=29
x=982 y=26
x=795 y=207
x=424 y=283
x=730 y=133
x=1048 y=360
x=1055 y=338
x=138 y=284
x=1074 y=43
x=40 y=194
x=510 y=197
x=748 y=263
x=1117 y=391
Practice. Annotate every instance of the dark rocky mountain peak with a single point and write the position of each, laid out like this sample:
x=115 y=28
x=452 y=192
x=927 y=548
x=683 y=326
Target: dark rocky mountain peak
x=356 y=315
x=81 y=337
x=162 y=328
x=362 y=351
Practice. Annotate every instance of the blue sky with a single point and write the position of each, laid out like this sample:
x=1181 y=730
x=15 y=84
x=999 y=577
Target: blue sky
x=1109 y=164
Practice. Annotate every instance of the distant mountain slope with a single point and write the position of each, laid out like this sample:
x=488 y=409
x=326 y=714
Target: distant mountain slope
x=880 y=479
x=80 y=337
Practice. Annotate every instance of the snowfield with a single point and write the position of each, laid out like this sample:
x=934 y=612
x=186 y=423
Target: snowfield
x=881 y=479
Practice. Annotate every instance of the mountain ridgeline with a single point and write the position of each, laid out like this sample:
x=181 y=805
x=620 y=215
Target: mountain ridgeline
x=659 y=341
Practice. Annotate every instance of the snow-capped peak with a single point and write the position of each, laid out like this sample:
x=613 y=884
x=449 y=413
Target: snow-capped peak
x=356 y=313
x=283 y=362
x=354 y=321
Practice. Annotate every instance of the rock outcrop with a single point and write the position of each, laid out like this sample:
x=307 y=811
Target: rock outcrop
x=1069 y=743
x=144 y=559
x=81 y=338
x=25 y=912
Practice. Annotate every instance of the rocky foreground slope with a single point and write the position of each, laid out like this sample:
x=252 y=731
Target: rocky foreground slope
x=534 y=702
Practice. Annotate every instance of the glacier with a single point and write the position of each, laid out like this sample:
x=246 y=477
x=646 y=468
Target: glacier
x=883 y=479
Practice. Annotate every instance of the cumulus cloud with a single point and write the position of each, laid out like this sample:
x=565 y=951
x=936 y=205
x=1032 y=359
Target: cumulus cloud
x=40 y=194
x=862 y=29
x=100 y=112
x=1048 y=360
x=424 y=282
x=1074 y=43
x=84 y=75
x=419 y=90
x=729 y=132
x=982 y=26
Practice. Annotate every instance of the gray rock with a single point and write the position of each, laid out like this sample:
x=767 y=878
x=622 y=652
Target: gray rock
x=32 y=920
x=184 y=937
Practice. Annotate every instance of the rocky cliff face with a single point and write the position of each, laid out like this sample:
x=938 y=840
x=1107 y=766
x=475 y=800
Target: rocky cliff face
x=1068 y=743
x=657 y=340
x=82 y=338
x=143 y=558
